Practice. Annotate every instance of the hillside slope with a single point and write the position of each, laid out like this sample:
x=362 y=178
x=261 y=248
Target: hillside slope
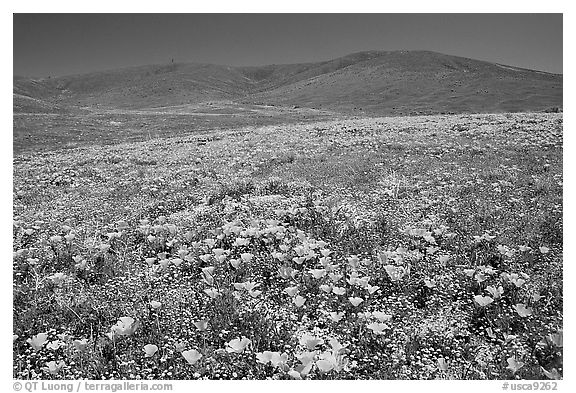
x=153 y=86
x=403 y=82
x=34 y=96
x=399 y=82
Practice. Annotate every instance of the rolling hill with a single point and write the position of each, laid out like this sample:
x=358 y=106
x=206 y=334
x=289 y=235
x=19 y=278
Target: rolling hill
x=371 y=83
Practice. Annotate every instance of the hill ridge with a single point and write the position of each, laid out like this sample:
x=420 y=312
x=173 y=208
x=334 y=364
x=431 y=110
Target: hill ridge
x=370 y=82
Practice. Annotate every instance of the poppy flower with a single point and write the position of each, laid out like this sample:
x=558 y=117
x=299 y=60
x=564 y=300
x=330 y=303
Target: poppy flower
x=150 y=350
x=299 y=301
x=38 y=341
x=377 y=327
x=483 y=300
x=311 y=342
x=514 y=365
x=291 y=291
x=336 y=316
x=237 y=345
x=53 y=367
x=317 y=273
x=192 y=356
x=522 y=310
x=381 y=316
x=80 y=345
x=126 y=326
x=201 y=325
x=339 y=290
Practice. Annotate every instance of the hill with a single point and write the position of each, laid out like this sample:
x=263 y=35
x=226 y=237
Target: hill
x=373 y=83
x=417 y=81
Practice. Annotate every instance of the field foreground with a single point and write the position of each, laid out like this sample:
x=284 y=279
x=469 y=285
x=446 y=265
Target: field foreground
x=389 y=248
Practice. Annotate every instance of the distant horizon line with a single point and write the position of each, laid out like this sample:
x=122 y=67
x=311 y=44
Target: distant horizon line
x=134 y=66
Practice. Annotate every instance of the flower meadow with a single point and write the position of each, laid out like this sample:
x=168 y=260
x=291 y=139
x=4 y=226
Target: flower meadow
x=383 y=248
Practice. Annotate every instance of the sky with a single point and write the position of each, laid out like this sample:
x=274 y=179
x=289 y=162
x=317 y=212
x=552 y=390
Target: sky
x=65 y=44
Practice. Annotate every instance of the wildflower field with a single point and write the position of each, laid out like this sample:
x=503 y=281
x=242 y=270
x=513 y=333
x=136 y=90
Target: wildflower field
x=367 y=248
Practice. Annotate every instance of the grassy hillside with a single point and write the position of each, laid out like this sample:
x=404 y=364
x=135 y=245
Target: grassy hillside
x=153 y=86
x=35 y=96
x=418 y=82
x=400 y=82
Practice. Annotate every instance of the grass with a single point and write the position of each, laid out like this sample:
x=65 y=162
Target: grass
x=77 y=128
x=386 y=248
